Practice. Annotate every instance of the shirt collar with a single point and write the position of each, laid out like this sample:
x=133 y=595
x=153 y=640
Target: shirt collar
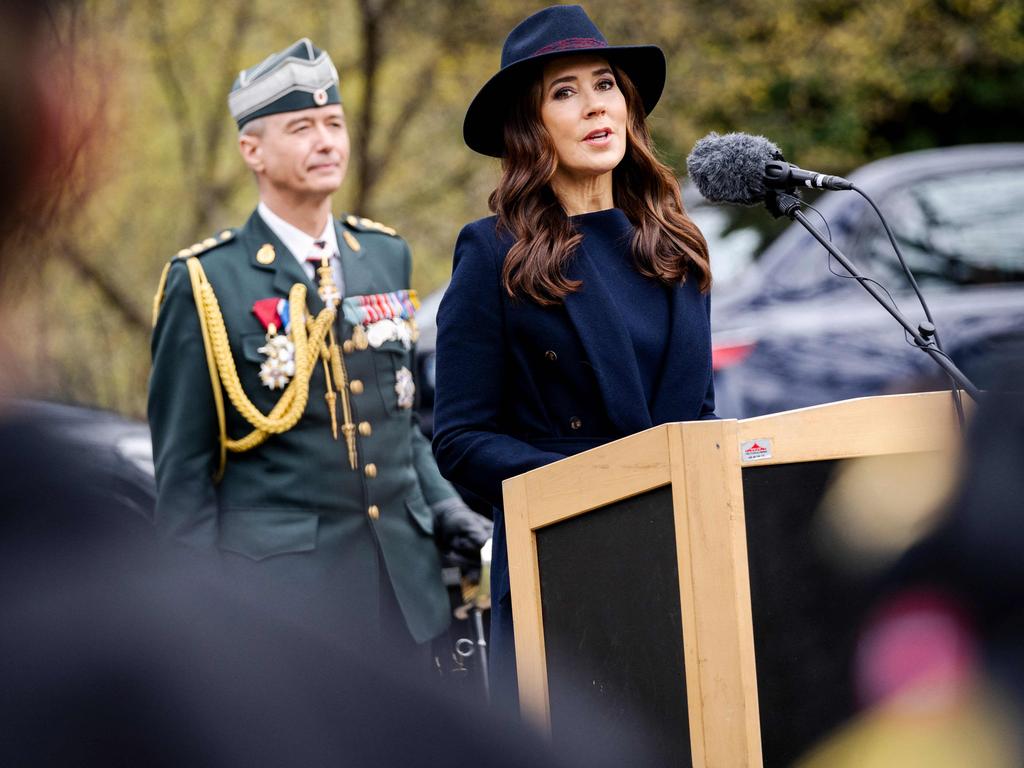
x=294 y=239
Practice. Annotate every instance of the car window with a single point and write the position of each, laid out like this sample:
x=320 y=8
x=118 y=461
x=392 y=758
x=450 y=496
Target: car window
x=731 y=248
x=961 y=229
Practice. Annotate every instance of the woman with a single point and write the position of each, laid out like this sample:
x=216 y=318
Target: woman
x=579 y=313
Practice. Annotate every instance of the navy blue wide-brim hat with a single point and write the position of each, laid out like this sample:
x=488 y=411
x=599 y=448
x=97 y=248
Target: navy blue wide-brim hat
x=553 y=32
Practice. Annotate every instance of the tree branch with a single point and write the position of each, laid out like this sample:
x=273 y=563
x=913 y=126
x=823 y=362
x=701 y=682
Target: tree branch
x=174 y=91
x=115 y=298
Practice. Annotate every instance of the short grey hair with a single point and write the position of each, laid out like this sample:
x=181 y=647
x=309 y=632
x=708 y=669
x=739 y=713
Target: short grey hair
x=254 y=127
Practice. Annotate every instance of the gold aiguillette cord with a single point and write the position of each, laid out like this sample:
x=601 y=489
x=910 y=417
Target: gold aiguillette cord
x=329 y=293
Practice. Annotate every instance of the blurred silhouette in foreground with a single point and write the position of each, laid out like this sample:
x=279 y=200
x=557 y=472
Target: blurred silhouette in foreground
x=115 y=651
x=940 y=663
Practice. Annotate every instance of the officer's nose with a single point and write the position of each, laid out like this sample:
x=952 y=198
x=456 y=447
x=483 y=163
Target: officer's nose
x=325 y=139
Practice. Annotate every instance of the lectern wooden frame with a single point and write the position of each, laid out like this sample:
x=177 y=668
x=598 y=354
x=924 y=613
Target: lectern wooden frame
x=701 y=462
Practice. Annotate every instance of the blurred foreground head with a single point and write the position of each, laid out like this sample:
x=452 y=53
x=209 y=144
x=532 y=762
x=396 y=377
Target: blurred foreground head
x=39 y=135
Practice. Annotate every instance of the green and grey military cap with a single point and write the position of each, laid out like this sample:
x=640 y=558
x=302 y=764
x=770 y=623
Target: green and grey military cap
x=299 y=77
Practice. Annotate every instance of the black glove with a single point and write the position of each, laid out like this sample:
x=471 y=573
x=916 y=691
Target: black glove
x=460 y=530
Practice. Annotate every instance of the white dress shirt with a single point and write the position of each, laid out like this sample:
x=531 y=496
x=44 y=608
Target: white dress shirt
x=301 y=245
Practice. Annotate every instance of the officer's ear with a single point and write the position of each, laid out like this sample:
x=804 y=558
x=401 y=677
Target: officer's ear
x=250 y=141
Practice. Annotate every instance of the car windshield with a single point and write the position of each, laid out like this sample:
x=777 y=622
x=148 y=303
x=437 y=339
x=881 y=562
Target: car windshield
x=961 y=229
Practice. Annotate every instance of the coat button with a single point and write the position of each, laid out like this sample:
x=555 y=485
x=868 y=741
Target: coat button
x=365 y=429
x=575 y=422
x=370 y=470
x=373 y=512
x=355 y=387
x=551 y=355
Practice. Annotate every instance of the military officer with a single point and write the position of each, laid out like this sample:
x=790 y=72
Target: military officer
x=281 y=391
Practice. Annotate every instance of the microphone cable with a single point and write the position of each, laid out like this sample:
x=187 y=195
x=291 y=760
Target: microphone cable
x=957 y=402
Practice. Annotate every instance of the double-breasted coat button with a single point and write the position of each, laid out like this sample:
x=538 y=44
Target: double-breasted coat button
x=370 y=470
x=575 y=422
x=365 y=429
x=355 y=387
x=373 y=512
x=551 y=355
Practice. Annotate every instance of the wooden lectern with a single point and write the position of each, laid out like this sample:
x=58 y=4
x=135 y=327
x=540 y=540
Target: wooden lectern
x=631 y=585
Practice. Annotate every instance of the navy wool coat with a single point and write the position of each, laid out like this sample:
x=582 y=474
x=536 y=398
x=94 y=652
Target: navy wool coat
x=520 y=385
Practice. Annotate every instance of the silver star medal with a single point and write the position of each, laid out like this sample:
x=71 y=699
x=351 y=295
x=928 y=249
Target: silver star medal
x=389 y=330
x=279 y=367
x=404 y=387
x=379 y=332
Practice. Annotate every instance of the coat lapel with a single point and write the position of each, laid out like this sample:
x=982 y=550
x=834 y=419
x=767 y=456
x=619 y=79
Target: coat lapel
x=284 y=269
x=603 y=334
x=356 y=283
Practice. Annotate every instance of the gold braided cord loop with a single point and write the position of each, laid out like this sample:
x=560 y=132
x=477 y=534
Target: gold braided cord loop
x=288 y=411
x=197 y=277
x=259 y=436
x=308 y=341
x=158 y=299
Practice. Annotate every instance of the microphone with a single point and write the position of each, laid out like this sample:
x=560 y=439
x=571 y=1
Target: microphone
x=741 y=169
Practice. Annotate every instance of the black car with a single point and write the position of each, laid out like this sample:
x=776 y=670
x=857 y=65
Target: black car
x=115 y=452
x=791 y=333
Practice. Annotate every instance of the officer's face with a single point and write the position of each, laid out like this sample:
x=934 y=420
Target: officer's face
x=304 y=152
x=584 y=113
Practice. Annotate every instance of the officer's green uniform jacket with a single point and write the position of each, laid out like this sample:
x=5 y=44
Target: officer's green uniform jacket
x=297 y=493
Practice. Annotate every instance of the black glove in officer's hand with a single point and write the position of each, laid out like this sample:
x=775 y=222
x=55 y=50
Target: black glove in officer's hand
x=459 y=529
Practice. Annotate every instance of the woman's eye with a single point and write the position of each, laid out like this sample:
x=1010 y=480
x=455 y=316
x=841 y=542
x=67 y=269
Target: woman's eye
x=563 y=93
x=605 y=85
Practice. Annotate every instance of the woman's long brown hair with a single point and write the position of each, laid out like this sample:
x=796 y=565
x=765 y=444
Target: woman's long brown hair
x=666 y=244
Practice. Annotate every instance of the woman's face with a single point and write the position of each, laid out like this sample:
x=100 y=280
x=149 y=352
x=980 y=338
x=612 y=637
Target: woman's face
x=584 y=112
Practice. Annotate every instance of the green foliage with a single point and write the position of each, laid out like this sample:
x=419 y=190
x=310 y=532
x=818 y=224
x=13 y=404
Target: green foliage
x=834 y=82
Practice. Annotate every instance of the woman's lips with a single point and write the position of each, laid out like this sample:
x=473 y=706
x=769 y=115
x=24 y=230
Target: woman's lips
x=598 y=137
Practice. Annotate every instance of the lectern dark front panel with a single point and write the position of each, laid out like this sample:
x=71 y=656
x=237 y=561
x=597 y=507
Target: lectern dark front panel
x=806 y=610
x=613 y=626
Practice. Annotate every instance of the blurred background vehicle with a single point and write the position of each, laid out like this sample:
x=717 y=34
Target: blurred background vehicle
x=790 y=334
x=114 y=451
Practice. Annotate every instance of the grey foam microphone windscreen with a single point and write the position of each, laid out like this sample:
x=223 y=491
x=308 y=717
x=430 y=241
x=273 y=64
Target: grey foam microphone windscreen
x=730 y=168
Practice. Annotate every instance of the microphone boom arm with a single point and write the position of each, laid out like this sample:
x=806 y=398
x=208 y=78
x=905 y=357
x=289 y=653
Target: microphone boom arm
x=789 y=206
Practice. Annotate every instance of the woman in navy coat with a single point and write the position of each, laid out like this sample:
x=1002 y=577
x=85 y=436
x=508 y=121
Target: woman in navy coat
x=579 y=313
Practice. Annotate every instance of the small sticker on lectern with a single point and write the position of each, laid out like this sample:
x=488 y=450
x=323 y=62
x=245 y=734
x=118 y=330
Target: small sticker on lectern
x=756 y=450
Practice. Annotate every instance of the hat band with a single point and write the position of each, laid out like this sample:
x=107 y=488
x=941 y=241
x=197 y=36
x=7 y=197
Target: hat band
x=570 y=44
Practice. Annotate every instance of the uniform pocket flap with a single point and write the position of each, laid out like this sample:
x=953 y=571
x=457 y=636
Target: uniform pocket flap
x=262 y=533
x=420 y=513
x=251 y=342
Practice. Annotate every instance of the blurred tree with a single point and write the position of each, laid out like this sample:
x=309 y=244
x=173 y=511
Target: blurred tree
x=834 y=82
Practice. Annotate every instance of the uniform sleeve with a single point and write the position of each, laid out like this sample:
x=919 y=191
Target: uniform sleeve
x=472 y=447
x=182 y=419
x=707 y=408
x=435 y=488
